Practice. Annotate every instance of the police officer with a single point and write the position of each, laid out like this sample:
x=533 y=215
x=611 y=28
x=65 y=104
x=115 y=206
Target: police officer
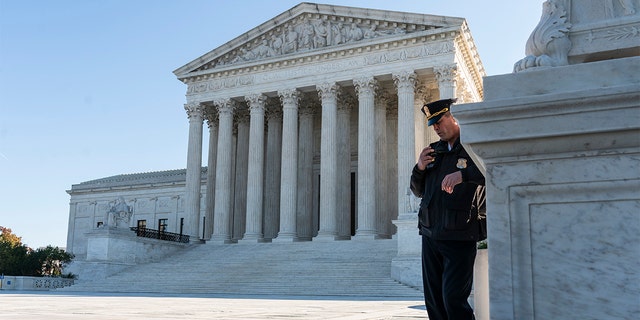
x=452 y=192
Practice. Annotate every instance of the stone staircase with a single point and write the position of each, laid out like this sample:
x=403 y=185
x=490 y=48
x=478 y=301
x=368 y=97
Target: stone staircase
x=335 y=268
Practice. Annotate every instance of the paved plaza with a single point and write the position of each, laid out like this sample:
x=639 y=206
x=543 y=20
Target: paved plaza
x=97 y=306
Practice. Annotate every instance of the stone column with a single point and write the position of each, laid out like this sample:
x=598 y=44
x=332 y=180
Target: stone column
x=418 y=117
x=289 y=173
x=328 y=181
x=405 y=84
x=194 y=167
x=381 y=183
x=241 y=168
x=272 y=176
x=211 y=114
x=366 y=158
x=446 y=76
x=223 y=208
x=392 y=159
x=304 y=222
x=346 y=104
x=255 y=178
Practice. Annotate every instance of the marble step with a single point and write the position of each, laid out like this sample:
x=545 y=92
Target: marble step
x=351 y=268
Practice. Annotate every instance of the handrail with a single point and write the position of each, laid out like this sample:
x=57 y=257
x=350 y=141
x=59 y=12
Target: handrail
x=162 y=235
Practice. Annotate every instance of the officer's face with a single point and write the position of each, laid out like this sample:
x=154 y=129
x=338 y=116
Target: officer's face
x=447 y=128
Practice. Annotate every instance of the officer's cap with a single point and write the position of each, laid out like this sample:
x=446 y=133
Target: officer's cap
x=435 y=110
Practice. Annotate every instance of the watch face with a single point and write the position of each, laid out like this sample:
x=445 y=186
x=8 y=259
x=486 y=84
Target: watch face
x=462 y=163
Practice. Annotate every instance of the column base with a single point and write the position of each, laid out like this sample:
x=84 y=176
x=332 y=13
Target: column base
x=324 y=238
x=220 y=240
x=252 y=241
x=287 y=237
x=364 y=237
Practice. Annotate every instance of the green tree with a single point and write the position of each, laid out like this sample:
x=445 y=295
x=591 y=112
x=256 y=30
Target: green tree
x=19 y=260
x=13 y=253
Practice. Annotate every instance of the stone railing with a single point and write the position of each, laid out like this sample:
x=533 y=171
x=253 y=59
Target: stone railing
x=21 y=283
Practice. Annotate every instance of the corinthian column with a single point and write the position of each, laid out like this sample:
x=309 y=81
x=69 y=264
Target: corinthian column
x=241 y=117
x=381 y=168
x=446 y=76
x=272 y=175
x=222 y=210
x=194 y=167
x=328 y=180
x=256 y=167
x=289 y=173
x=211 y=114
x=405 y=84
x=304 y=221
x=366 y=158
x=346 y=103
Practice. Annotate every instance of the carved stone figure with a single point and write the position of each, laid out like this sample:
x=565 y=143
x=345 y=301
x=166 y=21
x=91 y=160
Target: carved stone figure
x=355 y=33
x=119 y=215
x=371 y=32
x=336 y=34
x=290 y=41
x=321 y=33
x=276 y=44
x=306 y=36
x=548 y=45
x=263 y=50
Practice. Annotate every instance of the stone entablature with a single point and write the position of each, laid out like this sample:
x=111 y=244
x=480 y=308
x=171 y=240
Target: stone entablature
x=399 y=38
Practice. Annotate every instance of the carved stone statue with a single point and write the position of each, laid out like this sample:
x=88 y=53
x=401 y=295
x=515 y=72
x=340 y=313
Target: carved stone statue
x=119 y=215
x=549 y=44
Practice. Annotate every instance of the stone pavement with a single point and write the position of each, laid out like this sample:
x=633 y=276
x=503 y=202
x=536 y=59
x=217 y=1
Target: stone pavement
x=96 y=306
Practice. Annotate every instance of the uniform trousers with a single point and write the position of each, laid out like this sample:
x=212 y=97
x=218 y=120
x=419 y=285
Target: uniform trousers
x=447 y=276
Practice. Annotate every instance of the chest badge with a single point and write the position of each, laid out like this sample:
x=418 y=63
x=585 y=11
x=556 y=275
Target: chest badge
x=462 y=163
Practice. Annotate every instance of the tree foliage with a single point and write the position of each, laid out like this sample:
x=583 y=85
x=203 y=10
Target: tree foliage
x=18 y=259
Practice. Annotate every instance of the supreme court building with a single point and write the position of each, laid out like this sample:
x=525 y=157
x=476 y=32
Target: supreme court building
x=314 y=124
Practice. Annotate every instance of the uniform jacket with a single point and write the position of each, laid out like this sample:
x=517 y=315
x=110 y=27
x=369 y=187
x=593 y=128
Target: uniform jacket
x=445 y=216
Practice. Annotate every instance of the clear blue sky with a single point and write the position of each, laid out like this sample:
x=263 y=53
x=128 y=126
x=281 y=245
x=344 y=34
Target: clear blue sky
x=87 y=89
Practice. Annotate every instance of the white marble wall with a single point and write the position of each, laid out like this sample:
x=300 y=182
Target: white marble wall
x=561 y=151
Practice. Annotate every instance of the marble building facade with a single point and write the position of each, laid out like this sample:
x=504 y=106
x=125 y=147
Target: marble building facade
x=313 y=125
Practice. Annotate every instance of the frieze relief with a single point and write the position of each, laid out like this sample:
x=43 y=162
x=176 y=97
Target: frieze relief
x=420 y=52
x=312 y=32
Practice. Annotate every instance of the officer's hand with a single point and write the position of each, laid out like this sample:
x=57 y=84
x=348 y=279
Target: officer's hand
x=424 y=159
x=450 y=181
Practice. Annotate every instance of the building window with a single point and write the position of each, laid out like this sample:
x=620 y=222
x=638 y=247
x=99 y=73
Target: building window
x=162 y=225
x=142 y=224
x=99 y=224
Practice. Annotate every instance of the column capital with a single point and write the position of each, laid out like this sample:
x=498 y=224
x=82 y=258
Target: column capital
x=446 y=73
x=225 y=105
x=347 y=102
x=211 y=116
x=328 y=90
x=405 y=79
x=256 y=101
x=241 y=116
x=195 y=110
x=365 y=85
x=289 y=97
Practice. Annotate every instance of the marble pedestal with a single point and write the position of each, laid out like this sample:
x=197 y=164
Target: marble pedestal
x=111 y=250
x=406 y=267
x=560 y=148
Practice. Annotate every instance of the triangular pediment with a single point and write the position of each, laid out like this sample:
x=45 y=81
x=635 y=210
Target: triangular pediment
x=310 y=28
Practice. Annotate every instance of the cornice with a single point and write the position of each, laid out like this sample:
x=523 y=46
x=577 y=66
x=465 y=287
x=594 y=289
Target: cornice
x=329 y=54
x=385 y=24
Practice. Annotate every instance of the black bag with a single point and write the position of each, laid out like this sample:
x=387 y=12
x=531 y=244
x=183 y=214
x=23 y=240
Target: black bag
x=479 y=203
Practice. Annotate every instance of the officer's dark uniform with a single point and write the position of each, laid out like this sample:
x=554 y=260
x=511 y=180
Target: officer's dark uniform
x=450 y=228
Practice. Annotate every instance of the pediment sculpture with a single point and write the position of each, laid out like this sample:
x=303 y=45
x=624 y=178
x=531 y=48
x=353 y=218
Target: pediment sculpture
x=308 y=35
